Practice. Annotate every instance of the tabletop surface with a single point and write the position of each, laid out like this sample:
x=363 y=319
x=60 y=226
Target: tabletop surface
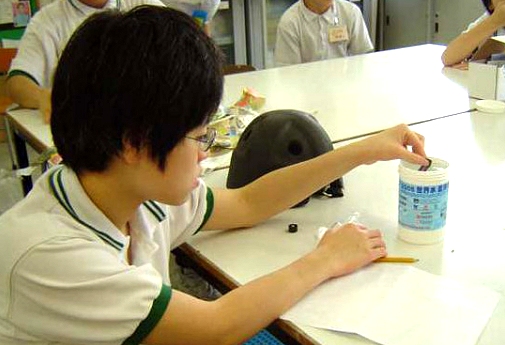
x=474 y=146
x=349 y=96
x=364 y=93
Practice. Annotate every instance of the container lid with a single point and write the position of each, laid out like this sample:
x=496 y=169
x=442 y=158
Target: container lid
x=490 y=106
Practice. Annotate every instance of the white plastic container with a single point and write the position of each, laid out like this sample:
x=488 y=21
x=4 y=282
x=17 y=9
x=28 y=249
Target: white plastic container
x=422 y=202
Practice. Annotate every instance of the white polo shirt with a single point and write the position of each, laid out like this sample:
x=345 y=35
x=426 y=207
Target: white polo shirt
x=64 y=278
x=48 y=33
x=189 y=6
x=302 y=35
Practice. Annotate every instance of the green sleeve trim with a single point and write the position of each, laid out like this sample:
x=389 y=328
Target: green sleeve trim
x=147 y=325
x=23 y=73
x=208 y=211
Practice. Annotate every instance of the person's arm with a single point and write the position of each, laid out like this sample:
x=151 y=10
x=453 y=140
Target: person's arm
x=25 y=92
x=465 y=44
x=241 y=313
x=28 y=80
x=283 y=188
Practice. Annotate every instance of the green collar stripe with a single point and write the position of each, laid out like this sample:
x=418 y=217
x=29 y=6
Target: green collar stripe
x=58 y=195
x=106 y=238
x=208 y=211
x=147 y=325
x=149 y=205
x=158 y=208
x=61 y=189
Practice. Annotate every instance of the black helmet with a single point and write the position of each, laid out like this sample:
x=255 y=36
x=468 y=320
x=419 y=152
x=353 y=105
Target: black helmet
x=277 y=139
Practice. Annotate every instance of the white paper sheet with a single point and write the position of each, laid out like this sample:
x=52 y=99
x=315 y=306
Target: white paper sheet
x=395 y=304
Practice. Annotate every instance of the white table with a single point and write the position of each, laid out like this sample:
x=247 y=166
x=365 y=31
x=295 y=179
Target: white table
x=365 y=93
x=472 y=250
x=350 y=96
x=29 y=124
x=26 y=126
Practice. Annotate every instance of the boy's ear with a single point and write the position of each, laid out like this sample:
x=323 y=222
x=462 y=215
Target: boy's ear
x=130 y=154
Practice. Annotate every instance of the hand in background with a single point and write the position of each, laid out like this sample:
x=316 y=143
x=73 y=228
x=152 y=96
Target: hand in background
x=28 y=94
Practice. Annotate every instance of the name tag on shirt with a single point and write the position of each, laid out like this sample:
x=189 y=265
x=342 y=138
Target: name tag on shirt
x=338 y=33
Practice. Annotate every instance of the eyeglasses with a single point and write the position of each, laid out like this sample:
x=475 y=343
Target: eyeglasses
x=205 y=141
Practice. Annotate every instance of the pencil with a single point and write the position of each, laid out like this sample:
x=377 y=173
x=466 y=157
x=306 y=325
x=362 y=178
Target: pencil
x=396 y=259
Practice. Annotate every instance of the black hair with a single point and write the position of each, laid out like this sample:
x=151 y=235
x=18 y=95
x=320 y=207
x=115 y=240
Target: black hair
x=487 y=4
x=145 y=77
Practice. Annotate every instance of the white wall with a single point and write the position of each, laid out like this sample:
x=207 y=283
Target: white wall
x=405 y=23
x=413 y=22
x=454 y=16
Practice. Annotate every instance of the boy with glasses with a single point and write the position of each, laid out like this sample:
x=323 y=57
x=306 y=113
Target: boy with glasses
x=84 y=257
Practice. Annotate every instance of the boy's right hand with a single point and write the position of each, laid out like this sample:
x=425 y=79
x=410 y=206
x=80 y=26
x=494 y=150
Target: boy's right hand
x=394 y=143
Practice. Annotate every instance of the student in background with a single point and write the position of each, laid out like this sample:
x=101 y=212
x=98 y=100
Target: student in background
x=313 y=30
x=474 y=42
x=201 y=10
x=30 y=76
x=84 y=255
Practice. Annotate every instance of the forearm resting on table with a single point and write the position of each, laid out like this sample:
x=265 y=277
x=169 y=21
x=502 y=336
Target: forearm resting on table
x=25 y=92
x=240 y=313
x=465 y=44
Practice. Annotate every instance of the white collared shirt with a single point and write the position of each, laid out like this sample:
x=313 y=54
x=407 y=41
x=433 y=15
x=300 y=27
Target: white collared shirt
x=64 y=277
x=302 y=35
x=49 y=31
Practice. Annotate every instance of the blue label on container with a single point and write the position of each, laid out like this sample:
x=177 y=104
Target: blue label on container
x=422 y=207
